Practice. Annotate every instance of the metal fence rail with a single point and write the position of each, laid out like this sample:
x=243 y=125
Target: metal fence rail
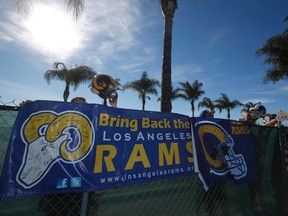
x=268 y=195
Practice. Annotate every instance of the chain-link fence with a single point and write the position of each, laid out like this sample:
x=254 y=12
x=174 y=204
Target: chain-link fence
x=268 y=195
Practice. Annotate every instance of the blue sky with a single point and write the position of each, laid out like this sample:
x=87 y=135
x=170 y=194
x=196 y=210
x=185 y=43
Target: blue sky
x=213 y=42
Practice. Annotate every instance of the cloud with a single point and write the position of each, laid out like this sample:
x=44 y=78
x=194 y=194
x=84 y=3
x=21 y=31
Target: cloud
x=256 y=100
x=284 y=88
x=39 y=33
x=115 y=30
x=111 y=26
x=106 y=29
x=5 y=37
x=9 y=29
x=131 y=67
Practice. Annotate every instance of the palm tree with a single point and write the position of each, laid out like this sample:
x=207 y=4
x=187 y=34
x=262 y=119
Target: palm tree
x=191 y=92
x=118 y=84
x=143 y=87
x=224 y=103
x=276 y=52
x=208 y=103
x=168 y=8
x=72 y=77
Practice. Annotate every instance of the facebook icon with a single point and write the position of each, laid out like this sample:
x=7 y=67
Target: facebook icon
x=62 y=183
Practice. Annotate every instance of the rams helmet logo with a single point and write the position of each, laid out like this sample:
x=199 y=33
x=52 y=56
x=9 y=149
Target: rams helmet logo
x=218 y=150
x=103 y=85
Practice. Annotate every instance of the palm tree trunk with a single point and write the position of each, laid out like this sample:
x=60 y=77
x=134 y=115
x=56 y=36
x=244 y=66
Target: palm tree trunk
x=193 y=108
x=228 y=114
x=66 y=93
x=143 y=103
x=166 y=87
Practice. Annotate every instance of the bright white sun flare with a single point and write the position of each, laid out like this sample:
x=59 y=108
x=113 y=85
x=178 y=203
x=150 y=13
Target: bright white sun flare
x=52 y=30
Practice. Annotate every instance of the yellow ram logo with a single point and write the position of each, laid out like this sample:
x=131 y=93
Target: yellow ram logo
x=52 y=137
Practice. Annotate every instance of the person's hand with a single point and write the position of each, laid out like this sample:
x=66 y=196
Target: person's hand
x=113 y=100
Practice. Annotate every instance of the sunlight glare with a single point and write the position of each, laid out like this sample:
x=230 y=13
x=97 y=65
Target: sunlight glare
x=53 y=30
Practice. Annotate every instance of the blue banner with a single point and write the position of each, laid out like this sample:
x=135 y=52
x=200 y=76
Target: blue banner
x=225 y=151
x=58 y=147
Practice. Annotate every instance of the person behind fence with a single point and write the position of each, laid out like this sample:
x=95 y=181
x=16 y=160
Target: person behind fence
x=69 y=204
x=104 y=86
x=66 y=204
x=94 y=196
x=273 y=121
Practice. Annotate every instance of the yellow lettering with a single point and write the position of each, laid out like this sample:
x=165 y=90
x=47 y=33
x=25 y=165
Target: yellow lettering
x=107 y=159
x=173 y=153
x=112 y=120
x=233 y=130
x=189 y=148
x=145 y=122
x=107 y=120
x=134 y=125
x=104 y=119
x=153 y=124
x=240 y=130
x=138 y=154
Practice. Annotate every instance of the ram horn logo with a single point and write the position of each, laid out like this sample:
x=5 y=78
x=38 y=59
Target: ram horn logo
x=52 y=137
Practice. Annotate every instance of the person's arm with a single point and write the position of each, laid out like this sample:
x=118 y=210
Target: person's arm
x=273 y=122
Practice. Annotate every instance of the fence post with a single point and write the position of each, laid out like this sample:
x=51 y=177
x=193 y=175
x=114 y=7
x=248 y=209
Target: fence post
x=84 y=204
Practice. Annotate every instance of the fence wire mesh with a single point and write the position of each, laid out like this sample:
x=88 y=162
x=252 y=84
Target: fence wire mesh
x=268 y=195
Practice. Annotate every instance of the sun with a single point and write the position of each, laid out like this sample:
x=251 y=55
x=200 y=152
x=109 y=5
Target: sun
x=52 y=30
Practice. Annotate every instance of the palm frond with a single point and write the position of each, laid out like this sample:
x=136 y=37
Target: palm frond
x=76 y=6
